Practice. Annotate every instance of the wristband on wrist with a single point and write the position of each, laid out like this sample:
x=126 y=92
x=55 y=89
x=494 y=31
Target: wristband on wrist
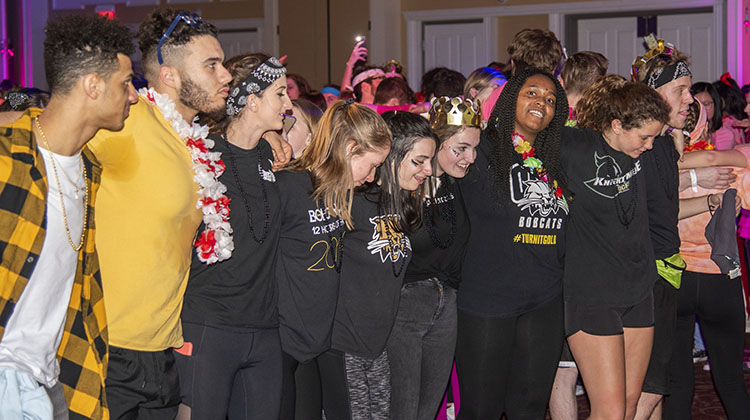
x=693 y=180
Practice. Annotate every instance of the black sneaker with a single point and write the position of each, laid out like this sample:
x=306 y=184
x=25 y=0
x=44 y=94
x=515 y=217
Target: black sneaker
x=699 y=356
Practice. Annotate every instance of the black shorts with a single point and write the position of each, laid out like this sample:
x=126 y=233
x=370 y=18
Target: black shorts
x=142 y=383
x=665 y=313
x=608 y=320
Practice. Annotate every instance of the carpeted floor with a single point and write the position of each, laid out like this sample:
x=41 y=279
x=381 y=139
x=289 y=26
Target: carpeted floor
x=706 y=404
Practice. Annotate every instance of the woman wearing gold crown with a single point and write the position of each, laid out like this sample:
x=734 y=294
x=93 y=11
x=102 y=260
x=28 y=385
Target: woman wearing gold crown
x=510 y=307
x=423 y=339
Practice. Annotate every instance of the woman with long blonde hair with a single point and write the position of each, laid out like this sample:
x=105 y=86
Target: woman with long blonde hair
x=355 y=372
x=316 y=211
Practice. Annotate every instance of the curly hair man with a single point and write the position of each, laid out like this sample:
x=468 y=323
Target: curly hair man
x=50 y=289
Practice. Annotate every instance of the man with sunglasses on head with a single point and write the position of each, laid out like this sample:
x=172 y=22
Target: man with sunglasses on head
x=147 y=216
x=53 y=329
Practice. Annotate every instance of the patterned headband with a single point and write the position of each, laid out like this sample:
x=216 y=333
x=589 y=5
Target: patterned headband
x=16 y=99
x=260 y=78
x=667 y=74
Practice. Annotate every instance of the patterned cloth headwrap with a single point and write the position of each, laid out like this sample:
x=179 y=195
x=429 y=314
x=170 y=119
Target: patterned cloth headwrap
x=260 y=78
x=667 y=74
x=16 y=99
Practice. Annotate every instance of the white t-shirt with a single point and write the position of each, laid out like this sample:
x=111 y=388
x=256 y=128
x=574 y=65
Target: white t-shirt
x=34 y=331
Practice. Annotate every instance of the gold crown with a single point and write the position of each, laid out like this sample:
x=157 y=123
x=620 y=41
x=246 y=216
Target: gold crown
x=455 y=111
x=656 y=47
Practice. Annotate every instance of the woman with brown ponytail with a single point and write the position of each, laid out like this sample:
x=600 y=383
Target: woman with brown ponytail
x=230 y=366
x=609 y=261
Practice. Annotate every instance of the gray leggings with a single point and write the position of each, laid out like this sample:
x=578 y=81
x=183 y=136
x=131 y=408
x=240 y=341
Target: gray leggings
x=355 y=387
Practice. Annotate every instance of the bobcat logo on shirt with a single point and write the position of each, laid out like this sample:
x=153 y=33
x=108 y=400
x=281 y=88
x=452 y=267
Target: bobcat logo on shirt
x=608 y=184
x=267 y=175
x=387 y=241
x=533 y=194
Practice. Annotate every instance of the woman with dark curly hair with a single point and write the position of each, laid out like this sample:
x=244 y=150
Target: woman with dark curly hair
x=510 y=306
x=609 y=257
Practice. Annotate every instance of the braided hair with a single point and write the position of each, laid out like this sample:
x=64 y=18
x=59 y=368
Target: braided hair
x=502 y=123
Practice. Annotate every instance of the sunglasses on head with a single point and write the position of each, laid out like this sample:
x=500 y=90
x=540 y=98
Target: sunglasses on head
x=191 y=19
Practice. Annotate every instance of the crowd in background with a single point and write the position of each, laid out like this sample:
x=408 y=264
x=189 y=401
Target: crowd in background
x=251 y=247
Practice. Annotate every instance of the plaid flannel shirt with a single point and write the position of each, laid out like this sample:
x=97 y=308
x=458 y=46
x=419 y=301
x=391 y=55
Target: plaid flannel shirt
x=83 y=351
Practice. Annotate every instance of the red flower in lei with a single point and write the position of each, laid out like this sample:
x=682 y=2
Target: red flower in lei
x=215 y=243
x=699 y=145
x=205 y=244
x=528 y=154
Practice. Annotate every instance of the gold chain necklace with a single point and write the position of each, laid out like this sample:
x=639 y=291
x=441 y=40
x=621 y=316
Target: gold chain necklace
x=59 y=190
x=76 y=190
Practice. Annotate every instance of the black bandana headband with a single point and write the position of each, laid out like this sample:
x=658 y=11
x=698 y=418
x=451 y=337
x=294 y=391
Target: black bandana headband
x=667 y=74
x=262 y=77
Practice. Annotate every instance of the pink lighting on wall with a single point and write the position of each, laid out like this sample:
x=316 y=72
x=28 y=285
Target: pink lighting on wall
x=110 y=14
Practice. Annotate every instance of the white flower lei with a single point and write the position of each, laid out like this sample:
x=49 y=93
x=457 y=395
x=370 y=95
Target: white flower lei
x=215 y=243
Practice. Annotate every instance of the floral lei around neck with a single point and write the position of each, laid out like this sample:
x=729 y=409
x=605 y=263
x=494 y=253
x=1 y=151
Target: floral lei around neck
x=528 y=154
x=699 y=145
x=215 y=243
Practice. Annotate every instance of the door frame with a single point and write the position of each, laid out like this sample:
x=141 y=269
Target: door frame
x=727 y=37
x=489 y=30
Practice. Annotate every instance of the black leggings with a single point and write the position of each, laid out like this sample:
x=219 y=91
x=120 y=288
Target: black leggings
x=508 y=365
x=717 y=300
x=300 y=397
x=231 y=375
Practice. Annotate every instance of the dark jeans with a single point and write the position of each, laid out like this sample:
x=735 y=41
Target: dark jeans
x=301 y=394
x=421 y=348
x=142 y=385
x=717 y=300
x=508 y=365
x=231 y=374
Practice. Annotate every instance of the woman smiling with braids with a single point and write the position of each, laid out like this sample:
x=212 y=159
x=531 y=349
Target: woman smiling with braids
x=510 y=306
x=230 y=365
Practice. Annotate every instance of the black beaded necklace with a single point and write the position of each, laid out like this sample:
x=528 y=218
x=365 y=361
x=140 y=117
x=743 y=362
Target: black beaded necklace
x=446 y=212
x=625 y=214
x=266 y=205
